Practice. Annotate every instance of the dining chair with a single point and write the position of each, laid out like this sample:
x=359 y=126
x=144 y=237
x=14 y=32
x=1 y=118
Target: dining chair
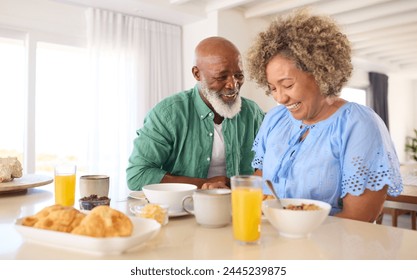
x=395 y=213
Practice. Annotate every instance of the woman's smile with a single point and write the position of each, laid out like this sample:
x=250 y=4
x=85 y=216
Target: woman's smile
x=294 y=106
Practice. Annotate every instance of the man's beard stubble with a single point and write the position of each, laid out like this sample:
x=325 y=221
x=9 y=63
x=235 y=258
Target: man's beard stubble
x=226 y=110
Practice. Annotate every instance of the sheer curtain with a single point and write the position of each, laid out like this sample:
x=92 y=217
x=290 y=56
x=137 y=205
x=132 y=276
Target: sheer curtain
x=135 y=63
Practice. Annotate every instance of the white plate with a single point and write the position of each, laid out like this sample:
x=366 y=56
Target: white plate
x=177 y=214
x=143 y=230
x=142 y=203
x=137 y=195
x=141 y=195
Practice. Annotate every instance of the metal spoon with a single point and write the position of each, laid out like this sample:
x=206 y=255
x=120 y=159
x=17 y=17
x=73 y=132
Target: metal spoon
x=271 y=187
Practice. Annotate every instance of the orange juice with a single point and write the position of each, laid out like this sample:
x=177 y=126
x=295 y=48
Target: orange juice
x=246 y=212
x=65 y=189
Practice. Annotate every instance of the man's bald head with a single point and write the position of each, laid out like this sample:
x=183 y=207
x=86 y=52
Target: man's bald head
x=214 y=47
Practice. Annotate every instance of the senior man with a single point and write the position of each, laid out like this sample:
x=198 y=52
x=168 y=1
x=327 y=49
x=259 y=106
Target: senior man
x=201 y=136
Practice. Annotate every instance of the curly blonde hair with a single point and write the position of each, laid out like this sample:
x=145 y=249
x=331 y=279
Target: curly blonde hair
x=314 y=43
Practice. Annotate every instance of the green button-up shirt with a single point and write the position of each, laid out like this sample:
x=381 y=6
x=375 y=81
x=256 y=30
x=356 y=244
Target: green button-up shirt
x=177 y=137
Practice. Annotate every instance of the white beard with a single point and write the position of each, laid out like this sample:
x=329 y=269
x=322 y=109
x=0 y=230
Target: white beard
x=224 y=109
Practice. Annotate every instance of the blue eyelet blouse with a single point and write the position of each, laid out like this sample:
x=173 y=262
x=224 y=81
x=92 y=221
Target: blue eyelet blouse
x=346 y=153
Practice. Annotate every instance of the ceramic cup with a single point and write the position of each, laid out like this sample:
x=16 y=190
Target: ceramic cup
x=94 y=184
x=211 y=208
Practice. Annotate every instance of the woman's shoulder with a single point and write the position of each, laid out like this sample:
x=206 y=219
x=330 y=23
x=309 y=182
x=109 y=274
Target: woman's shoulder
x=360 y=118
x=353 y=113
x=357 y=110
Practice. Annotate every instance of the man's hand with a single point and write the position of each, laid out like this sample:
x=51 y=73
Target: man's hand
x=218 y=182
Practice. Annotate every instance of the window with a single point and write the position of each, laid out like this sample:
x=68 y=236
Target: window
x=66 y=102
x=354 y=95
x=62 y=106
x=12 y=97
x=61 y=103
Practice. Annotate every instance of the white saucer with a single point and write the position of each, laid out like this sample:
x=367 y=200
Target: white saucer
x=177 y=214
x=137 y=195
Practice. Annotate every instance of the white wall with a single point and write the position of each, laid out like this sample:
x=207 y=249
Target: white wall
x=48 y=21
x=192 y=34
x=402 y=102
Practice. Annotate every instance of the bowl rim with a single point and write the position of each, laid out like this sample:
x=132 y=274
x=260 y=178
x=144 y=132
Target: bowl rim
x=324 y=205
x=282 y=219
x=213 y=192
x=154 y=187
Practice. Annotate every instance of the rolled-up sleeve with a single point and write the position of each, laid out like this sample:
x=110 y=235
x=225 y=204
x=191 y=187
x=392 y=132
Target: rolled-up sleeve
x=150 y=150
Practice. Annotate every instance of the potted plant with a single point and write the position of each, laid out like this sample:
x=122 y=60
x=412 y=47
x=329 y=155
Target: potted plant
x=411 y=145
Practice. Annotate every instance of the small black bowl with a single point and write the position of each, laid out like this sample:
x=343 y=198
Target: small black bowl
x=89 y=202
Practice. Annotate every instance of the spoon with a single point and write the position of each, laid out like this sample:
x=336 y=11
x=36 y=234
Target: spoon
x=271 y=187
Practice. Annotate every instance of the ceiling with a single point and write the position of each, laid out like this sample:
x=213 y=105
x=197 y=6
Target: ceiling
x=383 y=32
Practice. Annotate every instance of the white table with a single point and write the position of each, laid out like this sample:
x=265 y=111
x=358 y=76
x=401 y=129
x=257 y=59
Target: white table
x=410 y=180
x=183 y=239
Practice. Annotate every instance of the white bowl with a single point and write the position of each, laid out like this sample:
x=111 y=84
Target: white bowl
x=295 y=223
x=170 y=194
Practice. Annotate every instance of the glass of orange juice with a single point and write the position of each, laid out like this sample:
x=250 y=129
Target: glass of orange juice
x=65 y=184
x=246 y=208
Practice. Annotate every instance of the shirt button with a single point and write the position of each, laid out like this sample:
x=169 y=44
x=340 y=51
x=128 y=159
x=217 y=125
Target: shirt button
x=201 y=116
x=208 y=159
x=211 y=134
x=210 y=114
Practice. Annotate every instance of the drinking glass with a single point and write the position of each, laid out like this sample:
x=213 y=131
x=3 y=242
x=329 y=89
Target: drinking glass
x=246 y=208
x=65 y=184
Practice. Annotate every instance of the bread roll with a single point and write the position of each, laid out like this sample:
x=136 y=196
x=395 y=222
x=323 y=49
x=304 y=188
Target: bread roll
x=104 y=221
x=55 y=217
x=10 y=168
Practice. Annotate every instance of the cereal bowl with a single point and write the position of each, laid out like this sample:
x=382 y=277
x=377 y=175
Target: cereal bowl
x=295 y=223
x=170 y=194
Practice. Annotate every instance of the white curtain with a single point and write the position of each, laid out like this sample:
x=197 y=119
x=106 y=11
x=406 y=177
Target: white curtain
x=135 y=63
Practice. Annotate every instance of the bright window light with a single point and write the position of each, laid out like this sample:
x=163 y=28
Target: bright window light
x=354 y=95
x=62 y=111
x=12 y=97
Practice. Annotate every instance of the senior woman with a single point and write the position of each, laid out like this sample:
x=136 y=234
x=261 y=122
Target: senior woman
x=315 y=144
